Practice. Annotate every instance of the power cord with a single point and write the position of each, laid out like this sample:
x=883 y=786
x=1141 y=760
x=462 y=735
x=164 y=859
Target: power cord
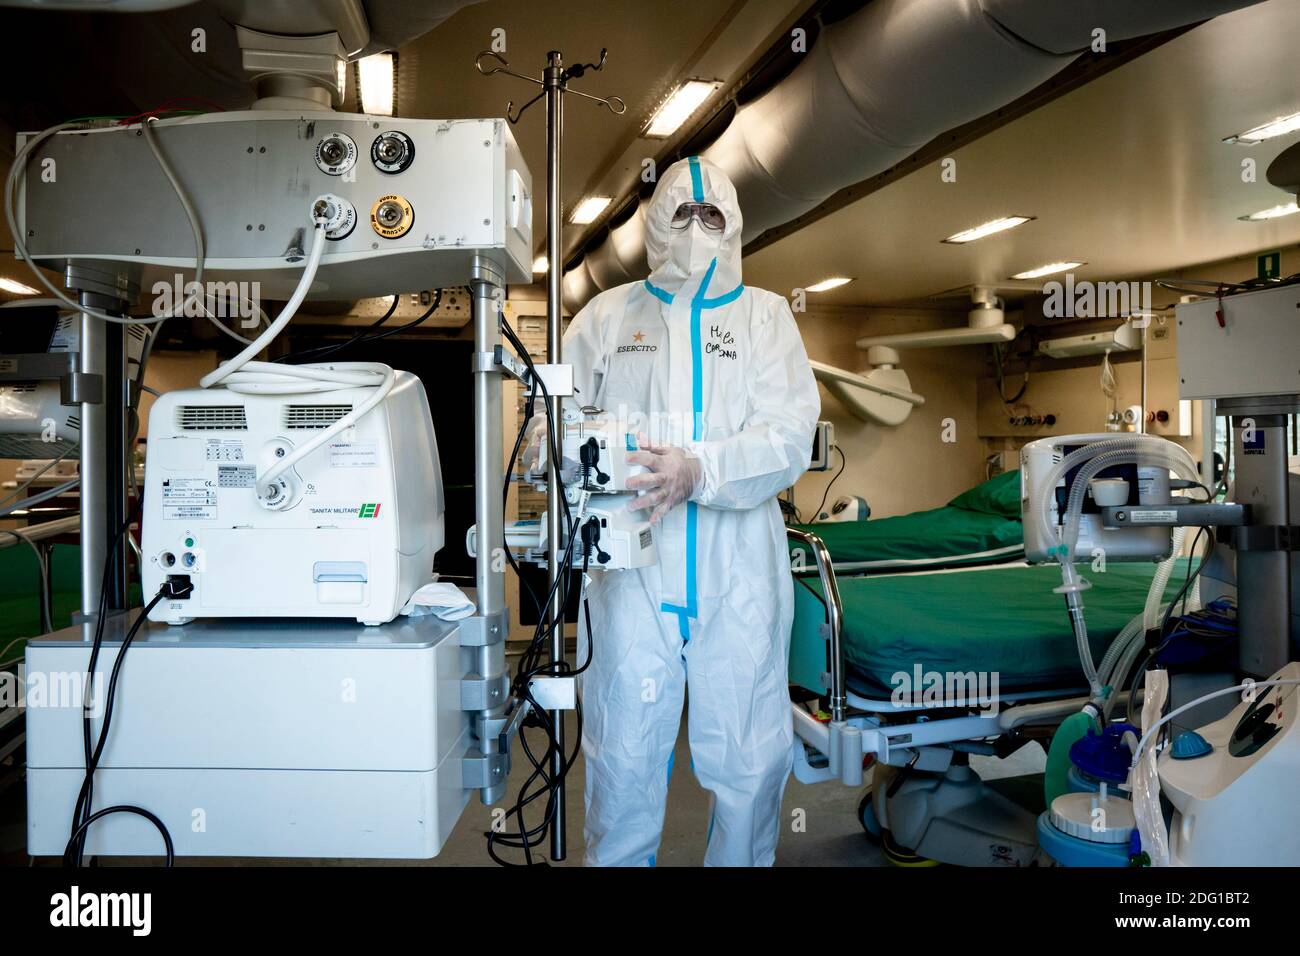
x=82 y=817
x=541 y=784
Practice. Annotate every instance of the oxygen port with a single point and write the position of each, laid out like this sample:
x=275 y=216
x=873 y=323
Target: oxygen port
x=392 y=152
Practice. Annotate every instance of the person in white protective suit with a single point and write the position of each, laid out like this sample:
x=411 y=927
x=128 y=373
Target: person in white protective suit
x=714 y=377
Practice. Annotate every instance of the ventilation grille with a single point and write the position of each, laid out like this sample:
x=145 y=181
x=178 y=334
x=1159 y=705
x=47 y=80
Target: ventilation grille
x=211 y=418
x=313 y=416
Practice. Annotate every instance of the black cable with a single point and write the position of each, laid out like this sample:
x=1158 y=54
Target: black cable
x=81 y=810
x=1000 y=362
x=540 y=783
x=82 y=817
x=1191 y=578
x=80 y=832
x=364 y=336
x=329 y=349
x=844 y=463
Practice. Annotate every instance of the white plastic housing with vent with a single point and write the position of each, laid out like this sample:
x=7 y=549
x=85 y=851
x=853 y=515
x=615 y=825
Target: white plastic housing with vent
x=356 y=536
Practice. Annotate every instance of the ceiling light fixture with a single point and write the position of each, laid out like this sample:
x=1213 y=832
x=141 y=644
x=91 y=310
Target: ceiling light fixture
x=377 y=82
x=825 y=285
x=989 y=228
x=14 y=287
x=589 y=209
x=539 y=265
x=1050 y=269
x=1274 y=212
x=1278 y=127
x=678 y=107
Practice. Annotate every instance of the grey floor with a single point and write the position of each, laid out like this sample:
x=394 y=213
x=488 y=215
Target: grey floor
x=831 y=835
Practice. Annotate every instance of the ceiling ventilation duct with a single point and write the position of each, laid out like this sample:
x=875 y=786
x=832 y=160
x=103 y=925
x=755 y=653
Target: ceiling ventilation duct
x=880 y=84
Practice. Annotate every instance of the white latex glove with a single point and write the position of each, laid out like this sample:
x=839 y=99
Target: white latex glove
x=671 y=477
x=535 y=434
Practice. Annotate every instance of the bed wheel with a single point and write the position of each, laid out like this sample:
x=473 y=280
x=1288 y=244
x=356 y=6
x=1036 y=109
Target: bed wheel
x=867 y=817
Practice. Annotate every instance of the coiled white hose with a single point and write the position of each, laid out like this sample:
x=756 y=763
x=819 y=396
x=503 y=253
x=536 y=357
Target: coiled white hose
x=245 y=376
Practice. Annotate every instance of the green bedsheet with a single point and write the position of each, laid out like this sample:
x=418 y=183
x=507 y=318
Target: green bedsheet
x=997 y=619
x=979 y=526
x=20 y=615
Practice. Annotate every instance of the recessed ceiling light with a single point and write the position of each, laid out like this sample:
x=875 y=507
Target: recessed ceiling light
x=589 y=209
x=680 y=106
x=1275 y=212
x=376 y=75
x=1278 y=127
x=987 y=229
x=1050 y=269
x=539 y=265
x=15 y=287
x=834 y=282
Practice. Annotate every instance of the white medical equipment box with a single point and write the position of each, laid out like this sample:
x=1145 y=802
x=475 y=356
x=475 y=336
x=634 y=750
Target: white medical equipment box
x=362 y=522
x=427 y=196
x=255 y=738
x=1242 y=346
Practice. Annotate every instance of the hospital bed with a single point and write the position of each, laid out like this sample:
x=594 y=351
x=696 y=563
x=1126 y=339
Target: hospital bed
x=980 y=526
x=871 y=646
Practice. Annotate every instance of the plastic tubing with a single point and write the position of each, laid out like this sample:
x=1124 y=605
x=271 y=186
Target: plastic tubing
x=1091 y=459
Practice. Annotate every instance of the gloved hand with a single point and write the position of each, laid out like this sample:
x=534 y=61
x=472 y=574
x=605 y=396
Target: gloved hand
x=535 y=436
x=671 y=478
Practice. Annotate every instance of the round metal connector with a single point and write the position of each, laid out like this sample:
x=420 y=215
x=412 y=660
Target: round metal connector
x=337 y=215
x=336 y=153
x=391 y=217
x=392 y=152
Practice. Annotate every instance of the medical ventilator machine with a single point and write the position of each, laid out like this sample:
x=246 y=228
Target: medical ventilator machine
x=289 y=511
x=1222 y=793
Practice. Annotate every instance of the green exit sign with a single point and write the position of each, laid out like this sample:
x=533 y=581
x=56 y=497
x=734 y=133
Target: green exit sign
x=1270 y=265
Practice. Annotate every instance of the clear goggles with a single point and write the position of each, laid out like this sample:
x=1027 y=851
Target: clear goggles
x=708 y=215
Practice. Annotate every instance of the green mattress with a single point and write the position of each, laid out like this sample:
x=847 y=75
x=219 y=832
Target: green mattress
x=981 y=526
x=995 y=619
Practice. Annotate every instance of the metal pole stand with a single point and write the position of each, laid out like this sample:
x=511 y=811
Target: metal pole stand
x=554 y=84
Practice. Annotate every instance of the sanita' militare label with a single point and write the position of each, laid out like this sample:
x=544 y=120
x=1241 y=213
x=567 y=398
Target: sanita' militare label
x=363 y=509
x=189 y=498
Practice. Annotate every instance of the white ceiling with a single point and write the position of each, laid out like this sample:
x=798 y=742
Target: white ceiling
x=1128 y=173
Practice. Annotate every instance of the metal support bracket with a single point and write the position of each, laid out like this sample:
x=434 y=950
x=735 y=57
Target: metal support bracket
x=479 y=771
x=554 y=693
x=1272 y=537
x=1175 y=515
x=484 y=630
x=484 y=693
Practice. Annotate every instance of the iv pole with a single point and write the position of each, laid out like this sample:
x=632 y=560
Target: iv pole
x=554 y=84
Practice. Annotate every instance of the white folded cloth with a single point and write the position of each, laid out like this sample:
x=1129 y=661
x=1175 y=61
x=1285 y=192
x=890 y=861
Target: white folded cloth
x=441 y=598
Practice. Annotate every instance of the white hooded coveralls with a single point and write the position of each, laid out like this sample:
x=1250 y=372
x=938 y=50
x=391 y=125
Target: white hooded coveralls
x=693 y=358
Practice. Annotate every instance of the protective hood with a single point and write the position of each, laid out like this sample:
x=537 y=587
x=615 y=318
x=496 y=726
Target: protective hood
x=679 y=256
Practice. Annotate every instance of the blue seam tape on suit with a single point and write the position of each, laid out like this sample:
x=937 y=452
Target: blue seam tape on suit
x=698 y=304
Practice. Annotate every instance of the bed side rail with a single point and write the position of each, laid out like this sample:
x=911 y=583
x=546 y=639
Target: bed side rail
x=834 y=616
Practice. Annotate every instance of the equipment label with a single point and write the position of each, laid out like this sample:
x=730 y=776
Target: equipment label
x=236 y=476
x=1153 y=517
x=223 y=449
x=189 y=498
x=647 y=538
x=357 y=454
